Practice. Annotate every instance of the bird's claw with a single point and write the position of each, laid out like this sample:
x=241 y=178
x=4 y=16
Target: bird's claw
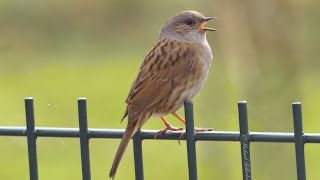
x=163 y=131
x=203 y=129
x=183 y=135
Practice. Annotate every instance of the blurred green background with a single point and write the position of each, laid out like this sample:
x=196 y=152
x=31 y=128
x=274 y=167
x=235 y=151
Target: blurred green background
x=266 y=52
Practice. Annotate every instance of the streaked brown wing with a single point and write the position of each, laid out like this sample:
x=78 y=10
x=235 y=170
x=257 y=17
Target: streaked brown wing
x=162 y=70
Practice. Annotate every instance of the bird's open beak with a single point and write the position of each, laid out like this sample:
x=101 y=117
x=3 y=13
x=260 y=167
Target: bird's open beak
x=203 y=22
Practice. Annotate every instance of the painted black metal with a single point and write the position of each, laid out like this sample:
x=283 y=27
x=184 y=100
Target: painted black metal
x=138 y=160
x=299 y=141
x=244 y=140
x=84 y=138
x=31 y=137
x=191 y=141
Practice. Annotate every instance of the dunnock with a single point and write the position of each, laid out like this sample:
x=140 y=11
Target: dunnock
x=174 y=71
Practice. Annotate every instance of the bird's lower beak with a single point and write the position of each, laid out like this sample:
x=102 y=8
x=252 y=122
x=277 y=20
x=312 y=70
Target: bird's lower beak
x=201 y=24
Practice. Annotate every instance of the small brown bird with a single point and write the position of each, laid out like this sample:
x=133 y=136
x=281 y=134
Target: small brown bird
x=174 y=71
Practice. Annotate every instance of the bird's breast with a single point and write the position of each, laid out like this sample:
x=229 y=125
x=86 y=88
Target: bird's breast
x=200 y=70
x=190 y=85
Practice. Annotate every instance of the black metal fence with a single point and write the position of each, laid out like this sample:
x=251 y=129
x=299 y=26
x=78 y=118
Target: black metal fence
x=85 y=134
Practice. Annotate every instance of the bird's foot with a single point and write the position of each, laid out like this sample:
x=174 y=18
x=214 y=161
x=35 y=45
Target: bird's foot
x=203 y=129
x=168 y=128
x=183 y=135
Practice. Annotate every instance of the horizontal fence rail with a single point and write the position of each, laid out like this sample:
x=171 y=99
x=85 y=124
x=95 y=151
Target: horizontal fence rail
x=244 y=136
x=149 y=134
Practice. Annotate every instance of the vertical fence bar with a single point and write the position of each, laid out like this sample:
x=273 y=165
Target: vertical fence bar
x=31 y=137
x=191 y=141
x=84 y=138
x=244 y=140
x=138 y=160
x=299 y=140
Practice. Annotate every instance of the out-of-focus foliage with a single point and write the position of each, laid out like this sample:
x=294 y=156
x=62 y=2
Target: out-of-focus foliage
x=266 y=52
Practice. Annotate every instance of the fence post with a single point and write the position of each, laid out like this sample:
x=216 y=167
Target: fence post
x=191 y=141
x=84 y=138
x=31 y=137
x=244 y=140
x=138 y=160
x=299 y=140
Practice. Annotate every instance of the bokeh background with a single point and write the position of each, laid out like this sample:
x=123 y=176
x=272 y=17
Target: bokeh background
x=266 y=52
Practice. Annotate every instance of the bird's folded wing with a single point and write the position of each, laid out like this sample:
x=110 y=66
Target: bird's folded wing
x=165 y=66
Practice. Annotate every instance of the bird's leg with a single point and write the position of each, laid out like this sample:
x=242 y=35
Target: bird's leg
x=184 y=122
x=179 y=117
x=169 y=127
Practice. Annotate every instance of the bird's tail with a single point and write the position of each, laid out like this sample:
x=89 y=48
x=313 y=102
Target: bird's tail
x=130 y=130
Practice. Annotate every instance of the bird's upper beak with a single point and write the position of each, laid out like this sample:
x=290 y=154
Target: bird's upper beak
x=201 y=24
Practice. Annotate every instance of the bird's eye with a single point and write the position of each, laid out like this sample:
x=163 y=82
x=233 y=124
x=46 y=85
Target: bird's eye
x=189 y=22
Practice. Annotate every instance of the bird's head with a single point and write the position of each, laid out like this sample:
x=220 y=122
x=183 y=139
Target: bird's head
x=187 y=25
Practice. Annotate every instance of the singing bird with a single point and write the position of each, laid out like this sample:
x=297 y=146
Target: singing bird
x=173 y=71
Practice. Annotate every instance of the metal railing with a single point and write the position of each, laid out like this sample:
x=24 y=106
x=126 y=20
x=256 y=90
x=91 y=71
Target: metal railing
x=85 y=134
